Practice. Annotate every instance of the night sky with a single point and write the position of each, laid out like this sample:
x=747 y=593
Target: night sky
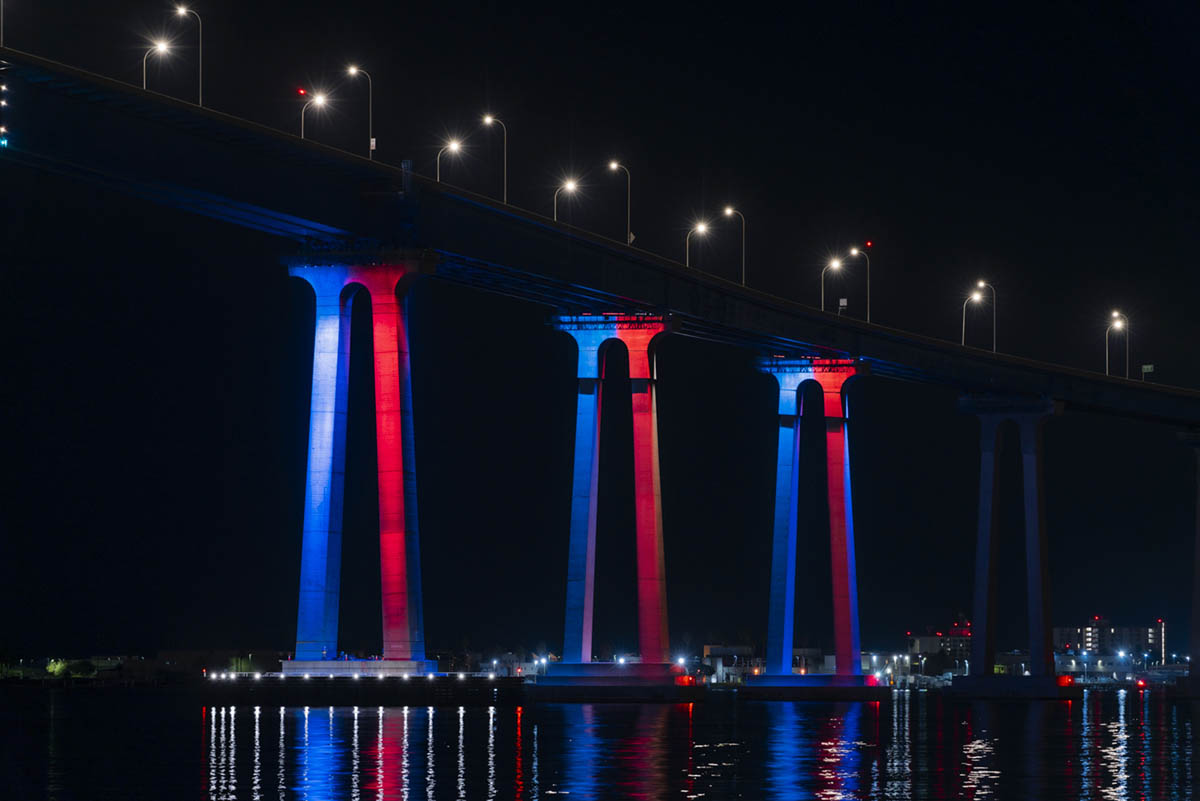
x=157 y=368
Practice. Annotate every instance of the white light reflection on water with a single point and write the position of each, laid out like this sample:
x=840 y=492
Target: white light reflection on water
x=430 y=781
x=897 y=779
x=754 y=750
x=491 y=752
x=282 y=779
x=354 y=764
x=379 y=757
x=256 y=786
x=212 y=756
x=1116 y=755
x=462 y=765
x=980 y=779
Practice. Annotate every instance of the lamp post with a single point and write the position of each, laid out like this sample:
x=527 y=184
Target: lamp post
x=986 y=285
x=700 y=228
x=453 y=146
x=160 y=47
x=318 y=100
x=1121 y=323
x=976 y=297
x=569 y=186
x=354 y=71
x=835 y=264
x=729 y=212
x=613 y=166
x=863 y=253
x=488 y=119
x=183 y=11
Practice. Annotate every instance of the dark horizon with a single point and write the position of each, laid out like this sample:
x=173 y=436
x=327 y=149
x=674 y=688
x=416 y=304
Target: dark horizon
x=159 y=416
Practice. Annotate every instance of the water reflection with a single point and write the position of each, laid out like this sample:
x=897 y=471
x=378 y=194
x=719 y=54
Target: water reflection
x=1128 y=745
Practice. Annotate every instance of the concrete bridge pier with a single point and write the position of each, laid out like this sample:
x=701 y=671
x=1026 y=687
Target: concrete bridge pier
x=832 y=376
x=1030 y=417
x=337 y=288
x=1193 y=439
x=594 y=334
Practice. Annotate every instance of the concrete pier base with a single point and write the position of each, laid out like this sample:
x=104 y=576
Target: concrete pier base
x=814 y=687
x=611 y=681
x=1017 y=688
x=361 y=667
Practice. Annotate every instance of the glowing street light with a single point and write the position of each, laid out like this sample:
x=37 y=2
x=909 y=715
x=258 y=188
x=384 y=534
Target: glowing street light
x=354 y=72
x=613 y=166
x=974 y=297
x=700 y=228
x=835 y=264
x=569 y=186
x=318 y=100
x=160 y=48
x=986 y=285
x=183 y=11
x=729 y=212
x=454 y=146
x=862 y=252
x=1121 y=323
x=488 y=119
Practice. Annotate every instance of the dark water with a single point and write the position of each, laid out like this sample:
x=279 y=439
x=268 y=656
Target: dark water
x=93 y=745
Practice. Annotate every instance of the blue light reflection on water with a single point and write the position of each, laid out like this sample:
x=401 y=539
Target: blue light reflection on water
x=1135 y=745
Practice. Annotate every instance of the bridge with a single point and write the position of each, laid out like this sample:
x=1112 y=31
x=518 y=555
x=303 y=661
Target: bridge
x=358 y=231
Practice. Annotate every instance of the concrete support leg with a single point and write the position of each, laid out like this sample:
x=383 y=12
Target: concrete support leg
x=1041 y=654
x=581 y=555
x=400 y=576
x=983 y=641
x=321 y=551
x=841 y=529
x=1193 y=439
x=781 y=611
x=591 y=334
x=651 y=568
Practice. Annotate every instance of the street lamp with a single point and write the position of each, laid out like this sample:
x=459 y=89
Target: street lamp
x=700 y=228
x=976 y=297
x=488 y=119
x=569 y=186
x=454 y=146
x=613 y=166
x=986 y=285
x=318 y=100
x=729 y=212
x=835 y=264
x=863 y=253
x=160 y=47
x=183 y=11
x=353 y=72
x=1121 y=323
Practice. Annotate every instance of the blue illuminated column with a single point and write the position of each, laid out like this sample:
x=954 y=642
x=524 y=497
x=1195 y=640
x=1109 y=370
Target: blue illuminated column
x=789 y=373
x=590 y=334
x=321 y=554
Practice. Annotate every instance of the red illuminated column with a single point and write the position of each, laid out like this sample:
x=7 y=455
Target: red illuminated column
x=399 y=561
x=832 y=376
x=651 y=569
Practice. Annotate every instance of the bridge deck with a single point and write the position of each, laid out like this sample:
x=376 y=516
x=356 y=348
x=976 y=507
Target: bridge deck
x=321 y=202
